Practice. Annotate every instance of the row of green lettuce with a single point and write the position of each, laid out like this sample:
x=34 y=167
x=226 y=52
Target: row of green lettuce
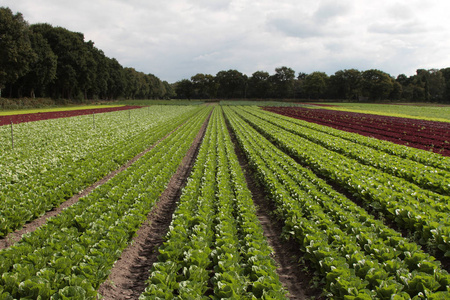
x=424 y=157
x=55 y=159
x=427 y=177
x=357 y=256
x=423 y=213
x=72 y=254
x=215 y=248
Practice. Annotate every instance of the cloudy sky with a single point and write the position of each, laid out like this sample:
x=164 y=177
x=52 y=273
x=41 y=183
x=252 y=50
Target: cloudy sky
x=176 y=39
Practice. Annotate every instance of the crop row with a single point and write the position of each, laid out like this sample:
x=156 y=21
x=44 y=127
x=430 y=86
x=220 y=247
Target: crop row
x=72 y=253
x=424 y=213
x=424 y=157
x=426 y=177
x=215 y=246
x=64 y=156
x=427 y=135
x=357 y=256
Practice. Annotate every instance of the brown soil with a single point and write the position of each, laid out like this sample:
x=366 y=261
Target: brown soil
x=286 y=253
x=128 y=276
x=15 y=236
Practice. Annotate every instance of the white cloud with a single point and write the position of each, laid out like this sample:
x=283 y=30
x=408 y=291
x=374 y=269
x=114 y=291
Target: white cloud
x=329 y=10
x=301 y=28
x=177 y=39
x=410 y=27
x=400 y=11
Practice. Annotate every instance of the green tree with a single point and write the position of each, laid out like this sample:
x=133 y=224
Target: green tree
x=160 y=91
x=376 y=84
x=143 y=90
x=169 y=90
x=132 y=83
x=157 y=89
x=346 y=84
x=422 y=85
x=407 y=87
x=184 y=89
x=204 y=85
x=232 y=84
x=433 y=82
x=42 y=70
x=259 y=85
x=299 y=91
x=116 y=80
x=397 y=90
x=422 y=80
x=315 y=84
x=76 y=66
x=16 y=52
x=88 y=68
x=446 y=74
x=403 y=79
x=211 y=86
x=283 y=82
x=97 y=84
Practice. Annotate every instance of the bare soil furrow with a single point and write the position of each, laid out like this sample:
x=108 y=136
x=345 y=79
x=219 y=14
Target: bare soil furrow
x=286 y=253
x=129 y=274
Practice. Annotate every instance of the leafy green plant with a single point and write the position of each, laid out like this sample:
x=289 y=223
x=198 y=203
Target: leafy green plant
x=355 y=253
x=412 y=207
x=55 y=159
x=215 y=231
x=71 y=255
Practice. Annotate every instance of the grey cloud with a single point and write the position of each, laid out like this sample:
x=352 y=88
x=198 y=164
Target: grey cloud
x=332 y=10
x=397 y=28
x=323 y=21
x=400 y=11
x=296 y=27
x=336 y=47
x=213 y=5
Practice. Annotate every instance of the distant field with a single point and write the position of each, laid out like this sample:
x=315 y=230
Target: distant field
x=160 y=102
x=258 y=103
x=431 y=112
x=21 y=117
x=54 y=109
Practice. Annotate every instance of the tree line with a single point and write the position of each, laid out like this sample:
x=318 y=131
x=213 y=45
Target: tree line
x=371 y=85
x=40 y=60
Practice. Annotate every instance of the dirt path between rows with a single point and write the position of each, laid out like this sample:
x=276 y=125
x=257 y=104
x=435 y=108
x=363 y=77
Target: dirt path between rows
x=15 y=236
x=129 y=274
x=286 y=253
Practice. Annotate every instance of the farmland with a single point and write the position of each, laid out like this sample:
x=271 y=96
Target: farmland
x=421 y=111
x=366 y=208
x=55 y=113
x=421 y=134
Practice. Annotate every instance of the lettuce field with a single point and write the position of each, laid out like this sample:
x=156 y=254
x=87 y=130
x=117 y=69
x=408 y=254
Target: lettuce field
x=224 y=202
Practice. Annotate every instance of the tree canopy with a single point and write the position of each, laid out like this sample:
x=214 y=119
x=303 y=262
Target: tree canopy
x=16 y=53
x=350 y=84
x=46 y=61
